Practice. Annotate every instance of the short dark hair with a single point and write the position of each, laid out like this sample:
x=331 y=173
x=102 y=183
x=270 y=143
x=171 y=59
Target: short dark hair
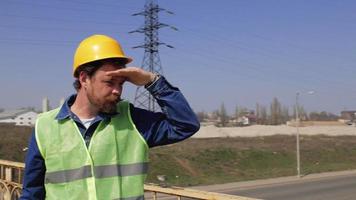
x=92 y=67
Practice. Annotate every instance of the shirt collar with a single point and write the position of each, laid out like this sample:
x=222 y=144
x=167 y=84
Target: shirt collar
x=65 y=111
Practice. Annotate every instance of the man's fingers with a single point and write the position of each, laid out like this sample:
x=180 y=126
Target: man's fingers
x=115 y=73
x=120 y=72
x=134 y=75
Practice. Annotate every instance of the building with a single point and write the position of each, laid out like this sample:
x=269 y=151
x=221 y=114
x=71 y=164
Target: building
x=19 y=117
x=246 y=120
x=348 y=115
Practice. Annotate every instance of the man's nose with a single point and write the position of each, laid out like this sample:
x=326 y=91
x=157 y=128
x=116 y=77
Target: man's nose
x=117 y=90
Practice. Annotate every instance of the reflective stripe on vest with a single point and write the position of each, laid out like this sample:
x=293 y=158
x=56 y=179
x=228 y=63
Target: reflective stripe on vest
x=114 y=166
x=100 y=172
x=68 y=175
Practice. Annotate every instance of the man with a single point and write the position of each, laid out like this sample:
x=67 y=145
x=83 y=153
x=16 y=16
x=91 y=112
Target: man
x=95 y=145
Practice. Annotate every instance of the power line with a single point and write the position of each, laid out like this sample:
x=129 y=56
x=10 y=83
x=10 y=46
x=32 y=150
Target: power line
x=293 y=70
x=56 y=29
x=228 y=41
x=96 y=23
x=114 y=6
x=36 y=42
x=56 y=7
x=259 y=70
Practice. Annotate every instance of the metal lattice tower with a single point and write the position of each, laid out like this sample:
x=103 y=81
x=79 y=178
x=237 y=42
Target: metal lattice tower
x=151 y=60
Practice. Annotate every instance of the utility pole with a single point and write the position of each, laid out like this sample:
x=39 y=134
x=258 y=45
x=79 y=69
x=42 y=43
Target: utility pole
x=151 y=61
x=297 y=135
x=297 y=120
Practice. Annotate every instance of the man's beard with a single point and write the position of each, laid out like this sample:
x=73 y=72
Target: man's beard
x=109 y=107
x=104 y=106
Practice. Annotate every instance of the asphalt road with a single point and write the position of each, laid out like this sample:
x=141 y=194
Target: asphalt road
x=340 y=187
x=323 y=186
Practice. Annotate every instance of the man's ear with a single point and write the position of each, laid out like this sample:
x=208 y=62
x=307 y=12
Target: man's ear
x=83 y=79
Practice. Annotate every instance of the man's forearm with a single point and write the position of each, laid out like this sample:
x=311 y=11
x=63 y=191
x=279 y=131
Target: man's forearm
x=178 y=121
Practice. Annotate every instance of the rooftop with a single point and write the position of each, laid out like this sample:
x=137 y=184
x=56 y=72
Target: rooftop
x=13 y=113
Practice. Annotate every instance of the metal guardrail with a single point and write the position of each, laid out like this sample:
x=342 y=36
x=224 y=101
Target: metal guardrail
x=11 y=174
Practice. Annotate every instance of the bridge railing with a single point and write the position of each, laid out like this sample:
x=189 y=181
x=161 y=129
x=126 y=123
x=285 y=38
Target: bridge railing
x=11 y=175
x=161 y=193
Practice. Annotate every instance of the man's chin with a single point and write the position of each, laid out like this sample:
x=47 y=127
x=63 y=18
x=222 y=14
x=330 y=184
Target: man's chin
x=109 y=108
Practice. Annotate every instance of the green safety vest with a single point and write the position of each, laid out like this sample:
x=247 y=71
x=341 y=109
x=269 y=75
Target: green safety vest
x=114 y=166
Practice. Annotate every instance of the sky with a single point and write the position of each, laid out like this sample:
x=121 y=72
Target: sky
x=236 y=52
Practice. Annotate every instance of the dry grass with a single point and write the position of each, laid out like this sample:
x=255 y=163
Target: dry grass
x=221 y=160
x=13 y=139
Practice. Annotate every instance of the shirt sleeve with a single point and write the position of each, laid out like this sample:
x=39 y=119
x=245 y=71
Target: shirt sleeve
x=176 y=122
x=33 y=184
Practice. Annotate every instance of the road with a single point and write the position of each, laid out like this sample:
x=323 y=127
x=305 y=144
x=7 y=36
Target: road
x=335 y=186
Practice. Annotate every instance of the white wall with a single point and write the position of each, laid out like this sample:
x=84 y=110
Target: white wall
x=26 y=119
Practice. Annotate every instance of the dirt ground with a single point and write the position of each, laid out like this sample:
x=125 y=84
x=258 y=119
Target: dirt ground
x=212 y=131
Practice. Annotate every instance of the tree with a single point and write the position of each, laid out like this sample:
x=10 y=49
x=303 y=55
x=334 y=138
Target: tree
x=276 y=112
x=258 y=113
x=263 y=114
x=201 y=116
x=285 y=114
x=215 y=115
x=223 y=115
x=322 y=116
x=237 y=112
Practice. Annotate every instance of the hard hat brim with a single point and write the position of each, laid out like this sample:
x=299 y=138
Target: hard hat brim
x=125 y=59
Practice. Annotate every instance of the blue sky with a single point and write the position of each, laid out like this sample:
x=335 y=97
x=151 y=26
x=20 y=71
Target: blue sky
x=232 y=51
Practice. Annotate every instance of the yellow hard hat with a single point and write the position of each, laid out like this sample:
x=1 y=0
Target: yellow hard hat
x=97 y=47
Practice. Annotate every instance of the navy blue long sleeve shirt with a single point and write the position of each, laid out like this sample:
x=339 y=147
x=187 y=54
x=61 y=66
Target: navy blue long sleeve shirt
x=176 y=122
